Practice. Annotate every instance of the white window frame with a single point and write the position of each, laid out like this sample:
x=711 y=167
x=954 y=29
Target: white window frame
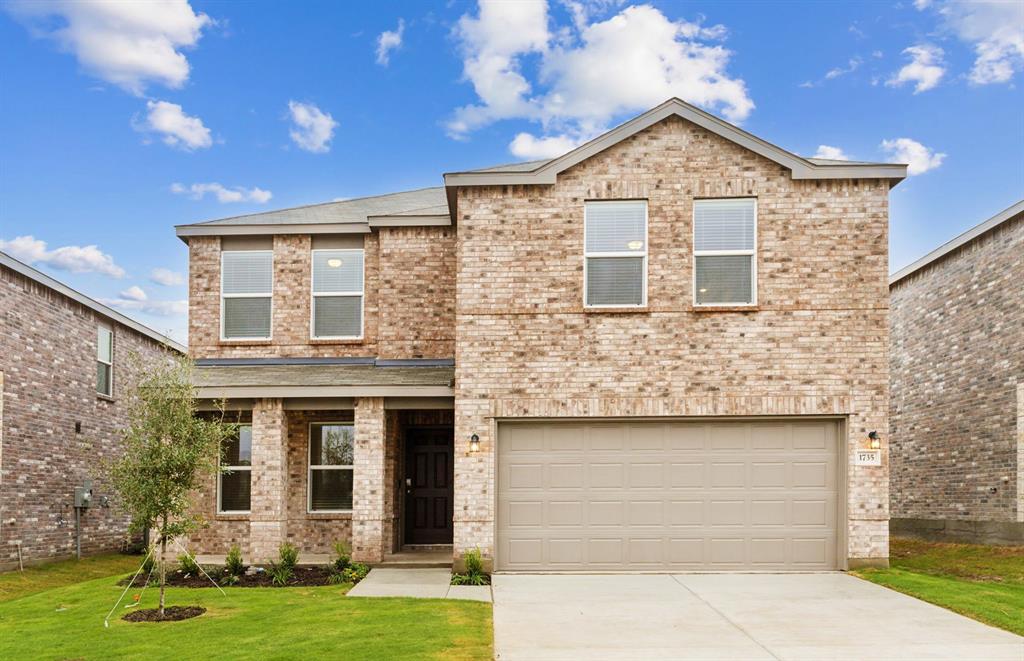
x=336 y=294
x=587 y=255
x=110 y=381
x=310 y=467
x=752 y=253
x=220 y=475
x=223 y=308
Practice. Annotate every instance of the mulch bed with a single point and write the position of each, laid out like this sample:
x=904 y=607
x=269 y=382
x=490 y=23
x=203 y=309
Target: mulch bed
x=171 y=614
x=303 y=576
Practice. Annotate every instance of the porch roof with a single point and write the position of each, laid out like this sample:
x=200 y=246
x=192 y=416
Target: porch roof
x=323 y=380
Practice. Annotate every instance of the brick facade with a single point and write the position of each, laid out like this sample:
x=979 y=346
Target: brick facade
x=957 y=367
x=48 y=366
x=817 y=342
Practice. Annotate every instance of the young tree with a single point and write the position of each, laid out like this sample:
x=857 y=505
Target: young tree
x=168 y=450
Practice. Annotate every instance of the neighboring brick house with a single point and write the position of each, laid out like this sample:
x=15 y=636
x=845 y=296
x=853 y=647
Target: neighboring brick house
x=661 y=350
x=65 y=366
x=956 y=409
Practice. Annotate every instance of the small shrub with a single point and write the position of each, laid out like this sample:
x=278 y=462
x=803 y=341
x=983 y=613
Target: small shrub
x=355 y=572
x=229 y=579
x=188 y=564
x=289 y=555
x=233 y=562
x=336 y=577
x=474 y=574
x=342 y=556
x=280 y=573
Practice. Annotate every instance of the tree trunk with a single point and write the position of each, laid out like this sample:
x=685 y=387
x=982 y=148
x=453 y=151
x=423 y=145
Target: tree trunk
x=163 y=568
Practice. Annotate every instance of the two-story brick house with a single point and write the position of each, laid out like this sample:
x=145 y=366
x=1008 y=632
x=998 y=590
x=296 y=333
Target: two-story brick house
x=658 y=351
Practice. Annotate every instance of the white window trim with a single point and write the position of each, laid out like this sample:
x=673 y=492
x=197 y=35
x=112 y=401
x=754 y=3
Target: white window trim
x=223 y=307
x=587 y=255
x=314 y=294
x=110 y=364
x=310 y=467
x=233 y=469
x=716 y=253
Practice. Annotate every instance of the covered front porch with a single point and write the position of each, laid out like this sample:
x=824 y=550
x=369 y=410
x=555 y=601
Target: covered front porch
x=360 y=453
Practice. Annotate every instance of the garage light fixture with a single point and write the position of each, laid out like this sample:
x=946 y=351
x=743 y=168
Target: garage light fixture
x=474 y=443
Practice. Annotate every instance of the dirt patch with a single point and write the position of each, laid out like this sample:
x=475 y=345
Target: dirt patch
x=302 y=577
x=171 y=614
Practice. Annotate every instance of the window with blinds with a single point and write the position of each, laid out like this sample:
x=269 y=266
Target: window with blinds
x=337 y=294
x=330 y=466
x=246 y=294
x=615 y=254
x=234 y=481
x=725 y=260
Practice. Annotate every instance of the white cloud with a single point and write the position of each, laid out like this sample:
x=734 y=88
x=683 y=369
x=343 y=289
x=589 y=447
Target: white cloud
x=852 y=64
x=313 y=128
x=922 y=4
x=590 y=72
x=166 y=277
x=156 y=308
x=224 y=195
x=925 y=69
x=834 y=153
x=133 y=293
x=388 y=41
x=920 y=159
x=76 y=259
x=178 y=129
x=129 y=44
x=530 y=147
x=996 y=31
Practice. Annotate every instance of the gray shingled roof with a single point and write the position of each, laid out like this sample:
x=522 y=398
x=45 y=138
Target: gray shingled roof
x=226 y=376
x=525 y=166
x=424 y=201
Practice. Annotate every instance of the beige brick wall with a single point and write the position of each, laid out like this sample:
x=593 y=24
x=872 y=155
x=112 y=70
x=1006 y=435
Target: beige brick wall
x=816 y=344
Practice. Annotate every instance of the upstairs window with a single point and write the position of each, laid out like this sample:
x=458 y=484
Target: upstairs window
x=615 y=254
x=246 y=291
x=337 y=294
x=725 y=260
x=330 y=466
x=234 y=484
x=105 y=361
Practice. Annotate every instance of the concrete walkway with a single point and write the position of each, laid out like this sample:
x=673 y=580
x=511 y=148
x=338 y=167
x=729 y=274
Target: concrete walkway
x=424 y=583
x=730 y=616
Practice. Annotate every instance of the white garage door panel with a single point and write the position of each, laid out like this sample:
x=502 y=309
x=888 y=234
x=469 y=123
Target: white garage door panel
x=667 y=495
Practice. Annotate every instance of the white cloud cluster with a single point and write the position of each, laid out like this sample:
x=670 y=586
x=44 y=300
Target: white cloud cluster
x=166 y=277
x=925 y=69
x=76 y=259
x=995 y=28
x=312 y=128
x=128 y=44
x=176 y=128
x=135 y=300
x=852 y=65
x=587 y=73
x=134 y=293
x=919 y=159
x=388 y=41
x=530 y=147
x=223 y=194
x=833 y=153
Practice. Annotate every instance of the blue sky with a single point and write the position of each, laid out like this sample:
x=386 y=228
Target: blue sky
x=118 y=121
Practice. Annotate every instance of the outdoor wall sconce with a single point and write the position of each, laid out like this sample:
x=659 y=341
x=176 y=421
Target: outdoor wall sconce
x=474 y=443
x=874 y=440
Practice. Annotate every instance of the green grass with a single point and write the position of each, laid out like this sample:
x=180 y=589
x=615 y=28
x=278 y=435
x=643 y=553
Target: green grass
x=15 y=584
x=985 y=583
x=249 y=623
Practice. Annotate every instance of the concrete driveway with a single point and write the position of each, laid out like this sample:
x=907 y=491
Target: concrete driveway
x=730 y=616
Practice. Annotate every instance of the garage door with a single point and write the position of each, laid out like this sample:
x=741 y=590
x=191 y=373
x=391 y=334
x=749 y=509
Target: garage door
x=650 y=496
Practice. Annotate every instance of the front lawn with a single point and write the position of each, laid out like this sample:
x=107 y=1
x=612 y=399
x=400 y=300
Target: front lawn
x=982 y=582
x=15 y=584
x=248 y=623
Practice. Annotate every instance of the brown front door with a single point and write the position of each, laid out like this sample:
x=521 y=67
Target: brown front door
x=429 y=491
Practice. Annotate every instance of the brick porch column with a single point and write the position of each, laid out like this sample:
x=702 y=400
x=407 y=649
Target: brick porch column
x=369 y=491
x=268 y=510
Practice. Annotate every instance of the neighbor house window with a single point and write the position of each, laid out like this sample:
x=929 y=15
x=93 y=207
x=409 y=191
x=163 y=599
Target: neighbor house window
x=330 y=466
x=105 y=361
x=337 y=294
x=725 y=260
x=615 y=254
x=235 y=480
x=246 y=293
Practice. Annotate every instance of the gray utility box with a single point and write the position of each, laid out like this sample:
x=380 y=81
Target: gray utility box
x=83 y=495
